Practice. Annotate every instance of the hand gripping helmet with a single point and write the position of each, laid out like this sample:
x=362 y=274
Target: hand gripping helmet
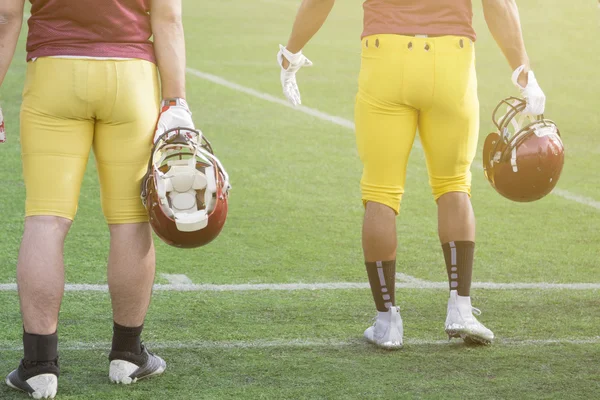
x=524 y=159
x=185 y=189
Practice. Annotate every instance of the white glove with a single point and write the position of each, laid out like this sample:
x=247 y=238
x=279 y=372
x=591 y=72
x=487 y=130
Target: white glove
x=2 y=132
x=532 y=93
x=288 y=76
x=175 y=113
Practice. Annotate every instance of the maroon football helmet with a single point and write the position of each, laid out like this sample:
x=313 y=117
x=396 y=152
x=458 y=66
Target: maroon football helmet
x=185 y=189
x=524 y=158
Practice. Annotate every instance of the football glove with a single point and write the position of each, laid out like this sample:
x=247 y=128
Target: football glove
x=175 y=113
x=532 y=93
x=2 y=132
x=288 y=76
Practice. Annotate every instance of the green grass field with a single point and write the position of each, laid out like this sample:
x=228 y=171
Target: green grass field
x=295 y=218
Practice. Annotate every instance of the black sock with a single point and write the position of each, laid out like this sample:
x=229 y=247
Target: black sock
x=459 y=265
x=382 y=278
x=127 y=339
x=40 y=348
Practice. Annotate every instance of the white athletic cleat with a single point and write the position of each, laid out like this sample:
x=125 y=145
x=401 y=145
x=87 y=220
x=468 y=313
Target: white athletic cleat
x=128 y=368
x=461 y=323
x=387 y=330
x=41 y=386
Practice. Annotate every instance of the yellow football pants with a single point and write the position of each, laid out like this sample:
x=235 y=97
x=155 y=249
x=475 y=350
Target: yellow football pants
x=407 y=83
x=73 y=105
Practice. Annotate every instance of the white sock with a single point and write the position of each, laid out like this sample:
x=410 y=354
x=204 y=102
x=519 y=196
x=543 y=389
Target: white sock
x=463 y=301
x=383 y=313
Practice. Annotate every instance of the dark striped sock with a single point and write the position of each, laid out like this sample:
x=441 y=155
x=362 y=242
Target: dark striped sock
x=382 y=278
x=459 y=265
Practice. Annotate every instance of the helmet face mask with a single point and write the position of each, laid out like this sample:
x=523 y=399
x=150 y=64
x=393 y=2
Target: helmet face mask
x=523 y=160
x=185 y=190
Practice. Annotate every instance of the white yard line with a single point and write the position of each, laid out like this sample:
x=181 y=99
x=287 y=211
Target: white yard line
x=537 y=286
x=416 y=284
x=300 y=343
x=409 y=279
x=270 y=98
x=577 y=198
x=347 y=123
x=177 y=279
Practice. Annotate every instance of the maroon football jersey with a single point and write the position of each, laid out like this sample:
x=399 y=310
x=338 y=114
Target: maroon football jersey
x=423 y=17
x=90 y=28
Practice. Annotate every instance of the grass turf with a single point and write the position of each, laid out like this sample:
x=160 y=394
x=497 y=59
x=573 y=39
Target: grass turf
x=295 y=217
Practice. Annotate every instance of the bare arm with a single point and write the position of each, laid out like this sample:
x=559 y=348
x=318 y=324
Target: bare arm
x=11 y=19
x=169 y=46
x=310 y=18
x=502 y=17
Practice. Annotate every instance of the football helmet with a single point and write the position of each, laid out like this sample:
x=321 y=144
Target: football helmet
x=185 y=190
x=524 y=158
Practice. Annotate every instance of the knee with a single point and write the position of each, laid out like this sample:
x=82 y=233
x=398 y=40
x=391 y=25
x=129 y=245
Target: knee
x=49 y=224
x=131 y=240
x=130 y=230
x=450 y=184
x=454 y=201
x=136 y=234
x=379 y=210
x=388 y=196
x=127 y=211
x=388 y=201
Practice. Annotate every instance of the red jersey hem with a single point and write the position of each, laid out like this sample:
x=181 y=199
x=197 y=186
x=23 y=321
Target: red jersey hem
x=471 y=36
x=51 y=51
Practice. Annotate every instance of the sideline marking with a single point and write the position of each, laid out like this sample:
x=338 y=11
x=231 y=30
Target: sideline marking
x=300 y=343
x=249 y=287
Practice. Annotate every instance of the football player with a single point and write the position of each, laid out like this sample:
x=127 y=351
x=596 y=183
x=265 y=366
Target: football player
x=92 y=83
x=418 y=72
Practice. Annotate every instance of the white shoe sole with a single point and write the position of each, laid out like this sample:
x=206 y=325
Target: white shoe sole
x=45 y=386
x=120 y=371
x=391 y=344
x=468 y=336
